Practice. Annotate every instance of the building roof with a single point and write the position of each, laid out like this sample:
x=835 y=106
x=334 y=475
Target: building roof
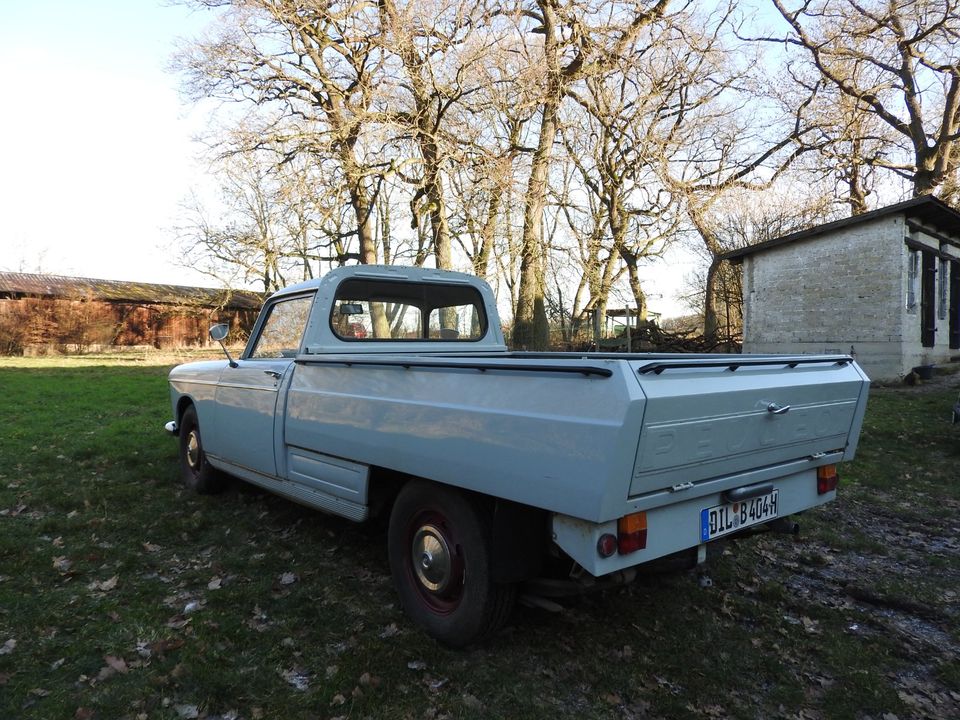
x=59 y=286
x=927 y=209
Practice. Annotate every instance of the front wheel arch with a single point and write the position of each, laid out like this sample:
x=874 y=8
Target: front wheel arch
x=195 y=469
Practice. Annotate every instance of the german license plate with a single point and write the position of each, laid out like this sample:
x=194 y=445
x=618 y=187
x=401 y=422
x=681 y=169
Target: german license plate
x=724 y=519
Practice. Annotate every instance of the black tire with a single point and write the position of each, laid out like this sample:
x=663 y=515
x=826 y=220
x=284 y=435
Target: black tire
x=197 y=472
x=439 y=547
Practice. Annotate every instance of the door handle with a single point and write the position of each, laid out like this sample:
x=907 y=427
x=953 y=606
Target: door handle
x=775 y=409
x=273 y=373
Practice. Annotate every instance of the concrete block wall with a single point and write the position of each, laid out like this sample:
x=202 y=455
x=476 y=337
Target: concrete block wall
x=832 y=293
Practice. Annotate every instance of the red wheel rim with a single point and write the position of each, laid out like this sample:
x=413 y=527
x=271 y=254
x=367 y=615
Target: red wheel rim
x=434 y=561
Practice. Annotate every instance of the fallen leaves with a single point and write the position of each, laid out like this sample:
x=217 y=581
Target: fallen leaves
x=259 y=621
x=113 y=665
x=158 y=648
x=297 y=679
x=390 y=631
x=14 y=511
x=62 y=564
x=178 y=622
x=368 y=680
x=187 y=712
x=436 y=684
x=104 y=586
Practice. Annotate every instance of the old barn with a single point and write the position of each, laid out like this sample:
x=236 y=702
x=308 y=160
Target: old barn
x=53 y=313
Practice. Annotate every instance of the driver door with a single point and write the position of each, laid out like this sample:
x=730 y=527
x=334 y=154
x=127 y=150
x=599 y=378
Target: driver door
x=246 y=399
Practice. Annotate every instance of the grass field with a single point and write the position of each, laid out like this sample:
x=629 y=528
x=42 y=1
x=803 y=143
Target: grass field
x=124 y=596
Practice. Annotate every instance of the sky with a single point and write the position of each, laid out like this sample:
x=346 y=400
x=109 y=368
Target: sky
x=97 y=150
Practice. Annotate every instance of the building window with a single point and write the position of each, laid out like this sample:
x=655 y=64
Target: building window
x=928 y=299
x=943 y=286
x=955 y=305
x=913 y=279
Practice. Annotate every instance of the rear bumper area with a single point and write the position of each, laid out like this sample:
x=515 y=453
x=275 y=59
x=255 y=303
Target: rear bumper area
x=675 y=527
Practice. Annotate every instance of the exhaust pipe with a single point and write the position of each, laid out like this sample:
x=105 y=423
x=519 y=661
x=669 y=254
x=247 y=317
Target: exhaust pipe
x=785 y=526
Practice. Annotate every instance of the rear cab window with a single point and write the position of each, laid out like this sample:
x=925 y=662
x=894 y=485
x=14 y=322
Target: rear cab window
x=377 y=310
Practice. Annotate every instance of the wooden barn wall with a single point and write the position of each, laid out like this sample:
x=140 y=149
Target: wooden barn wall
x=81 y=325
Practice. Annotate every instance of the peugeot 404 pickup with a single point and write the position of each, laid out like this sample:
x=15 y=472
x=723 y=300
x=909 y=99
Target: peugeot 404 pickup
x=390 y=391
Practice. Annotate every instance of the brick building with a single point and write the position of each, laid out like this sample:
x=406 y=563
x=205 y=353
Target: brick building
x=40 y=313
x=884 y=286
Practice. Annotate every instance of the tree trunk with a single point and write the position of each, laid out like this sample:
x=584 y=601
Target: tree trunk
x=438 y=208
x=530 y=328
x=711 y=323
x=639 y=296
x=481 y=263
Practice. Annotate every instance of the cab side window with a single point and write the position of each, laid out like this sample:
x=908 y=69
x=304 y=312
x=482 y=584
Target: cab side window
x=283 y=329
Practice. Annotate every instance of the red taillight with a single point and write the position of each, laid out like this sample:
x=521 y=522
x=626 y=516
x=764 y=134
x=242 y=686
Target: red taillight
x=632 y=533
x=607 y=545
x=827 y=479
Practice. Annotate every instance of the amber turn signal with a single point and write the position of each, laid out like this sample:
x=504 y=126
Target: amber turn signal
x=827 y=479
x=632 y=533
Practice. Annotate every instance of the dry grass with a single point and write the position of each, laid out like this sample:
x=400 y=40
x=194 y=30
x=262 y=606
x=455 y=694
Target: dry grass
x=123 y=596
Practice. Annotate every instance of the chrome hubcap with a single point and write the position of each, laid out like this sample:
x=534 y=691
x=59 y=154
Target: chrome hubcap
x=193 y=450
x=432 y=560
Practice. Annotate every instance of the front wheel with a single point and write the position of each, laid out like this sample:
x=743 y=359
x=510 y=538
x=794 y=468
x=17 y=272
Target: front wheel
x=440 y=560
x=197 y=472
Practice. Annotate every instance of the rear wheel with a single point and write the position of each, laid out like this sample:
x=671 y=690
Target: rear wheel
x=440 y=561
x=197 y=472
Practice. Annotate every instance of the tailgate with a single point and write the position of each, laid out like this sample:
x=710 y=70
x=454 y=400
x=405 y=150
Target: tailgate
x=711 y=417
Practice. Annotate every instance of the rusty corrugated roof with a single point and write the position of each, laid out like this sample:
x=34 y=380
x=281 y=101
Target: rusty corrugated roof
x=59 y=286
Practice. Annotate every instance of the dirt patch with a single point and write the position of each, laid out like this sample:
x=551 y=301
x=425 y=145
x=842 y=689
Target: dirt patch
x=898 y=582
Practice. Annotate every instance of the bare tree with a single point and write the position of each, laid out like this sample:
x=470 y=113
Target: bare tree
x=896 y=62
x=579 y=41
x=433 y=41
x=610 y=140
x=245 y=246
x=314 y=67
x=731 y=138
x=740 y=218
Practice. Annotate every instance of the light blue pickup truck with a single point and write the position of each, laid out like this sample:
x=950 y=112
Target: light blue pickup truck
x=379 y=390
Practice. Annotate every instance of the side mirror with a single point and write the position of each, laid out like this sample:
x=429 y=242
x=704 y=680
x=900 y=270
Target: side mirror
x=351 y=309
x=219 y=332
